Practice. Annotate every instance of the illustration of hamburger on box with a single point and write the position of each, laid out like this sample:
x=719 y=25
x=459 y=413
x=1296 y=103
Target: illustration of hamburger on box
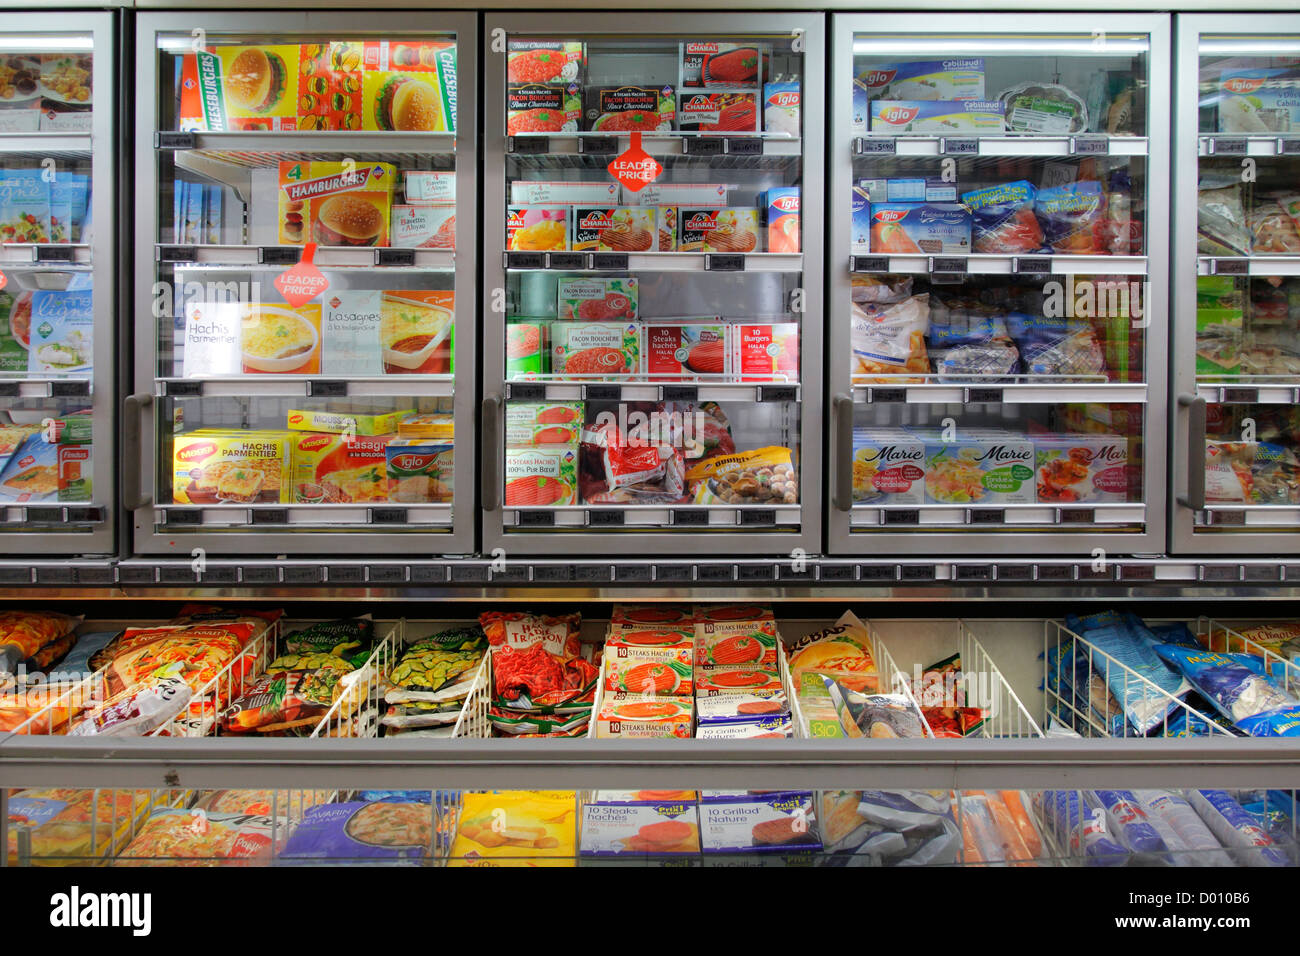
x=336 y=204
x=240 y=88
x=408 y=86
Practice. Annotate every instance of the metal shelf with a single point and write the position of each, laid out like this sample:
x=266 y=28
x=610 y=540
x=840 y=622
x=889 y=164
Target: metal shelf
x=652 y=516
x=51 y=255
x=287 y=386
x=683 y=390
x=276 y=258
x=304 y=516
x=984 y=517
x=53 y=514
x=1250 y=393
x=56 y=145
x=1011 y=393
x=46 y=387
x=1229 y=515
x=709 y=145
x=655 y=262
x=1010 y=144
x=1248 y=265
x=257 y=148
x=867 y=262
x=1228 y=144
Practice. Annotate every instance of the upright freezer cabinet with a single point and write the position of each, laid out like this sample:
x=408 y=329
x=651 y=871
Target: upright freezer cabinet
x=58 y=284
x=1236 y=336
x=652 y=340
x=305 y=308
x=996 y=274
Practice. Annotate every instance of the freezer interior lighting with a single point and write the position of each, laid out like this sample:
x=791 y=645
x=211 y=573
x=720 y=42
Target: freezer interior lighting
x=1270 y=46
x=44 y=44
x=949 y=46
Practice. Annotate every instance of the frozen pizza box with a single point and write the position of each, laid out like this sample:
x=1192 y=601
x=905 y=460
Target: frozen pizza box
x=612 y=827
x=755 y=822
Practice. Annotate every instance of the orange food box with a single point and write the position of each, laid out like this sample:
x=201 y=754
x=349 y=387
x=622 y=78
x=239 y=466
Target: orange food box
x=722 y=643
x=631 y=716
x=658 y=662
x=714 y=679
x=336 y=204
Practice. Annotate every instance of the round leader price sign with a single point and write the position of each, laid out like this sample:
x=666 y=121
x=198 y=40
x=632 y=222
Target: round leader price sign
x=301 y=283
x=634 y=167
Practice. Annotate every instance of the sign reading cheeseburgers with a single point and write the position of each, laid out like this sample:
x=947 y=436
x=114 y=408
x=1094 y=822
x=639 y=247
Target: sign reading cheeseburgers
x=336 y=204
x=240 y=88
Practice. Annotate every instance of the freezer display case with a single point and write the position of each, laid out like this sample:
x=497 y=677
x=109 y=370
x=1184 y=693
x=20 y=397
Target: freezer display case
x=652 y=341
x=996 y=277
x=1237 y=286
x=305 y=312
x=58 y=284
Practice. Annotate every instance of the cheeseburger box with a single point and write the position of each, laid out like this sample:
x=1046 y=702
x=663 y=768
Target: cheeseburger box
x=597 y=300
x=616 y=229
x=336 y=204
x=709 y=63
x=615 y=824
x=717 y=230
x=545 y=61
x=716 y=111
x=338 y=468
x=783 y=219
x=766 y=352
x=655 y=662
x=628 y=109
x=420 y=470
x=537 y=228
x=424 y=227
x=543 y=108
x=757 y=822
x=240 y=88
x=408 y=86
x=683 y=349
x=536 y=423
x=632 y=716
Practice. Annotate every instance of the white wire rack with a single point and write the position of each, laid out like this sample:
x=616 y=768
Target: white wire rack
x=472 y=720
x=1225 y=638
x=357 y=710
x=93 y=827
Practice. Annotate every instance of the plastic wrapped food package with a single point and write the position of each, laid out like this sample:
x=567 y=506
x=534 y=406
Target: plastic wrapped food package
x=1002 y=219
x=889 y=339
x=1239 y=689
x=1272 y=231
x=1070 y=216
x=1221 y=227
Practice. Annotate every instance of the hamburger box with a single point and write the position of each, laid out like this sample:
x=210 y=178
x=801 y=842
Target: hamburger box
x=533 y=423
x=717 y=111
x=616 y=824
x=545 y=61
x=527 y=350
x=677 y=194
x=420 y=470
x=667 y=228
x=543 y=108
x=628 y=109
x=350 y=422
x=329 y=89
x=424 y=227
x=783 y=219
x=538 y=228
x=407 y=86
x=1081 y=467
x=615 y=229
x=337 y=468
x=717 y=230
x=429 y=187
x=605 y=349
x=782 y=101
x=766 y=352
x=779 y=726
x=756 y=822
x=640 y=716
x=921 y=228
x=427 y=425
x=240 y=88
x=708 y=63
x=540 y=476
x=740 y=708
x=597 y=299
x=714 y=679
x=888 y=467
x=739 y=643
x=683 y=349
x=654 y=662
x=218 y=466
x=336 y=204
x=530 y=192
x=937 y=116
x=640 y=616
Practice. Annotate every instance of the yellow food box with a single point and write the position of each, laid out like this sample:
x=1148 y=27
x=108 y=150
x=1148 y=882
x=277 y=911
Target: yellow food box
x=338 y=468
x=354 y=423
x=215 y=466
x=516 y=824
x=336 y=204
x=427 y=425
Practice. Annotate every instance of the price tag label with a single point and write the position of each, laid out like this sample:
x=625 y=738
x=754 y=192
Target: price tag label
x=756 y=572
x=1090 y=145
x=1137 y=572
x=878 y=572
x=744 y=146
x=528 y=145
x=1220 y=572
x=674 y=573
x=690 y=518
x=633 y=573
x=610 y=260
x=728 y=262
x=551 y=573
x=837 y=572
x=868 y=263
x=634 y=168
x=464 y=574
x=45 y=515
x=603 y=393
x=918 y=572
x=1290 y=146
x=959 y=146
x=1075 y=516
x=262 y=575
x=386 y=574
x=1228 y=146
x=511 y=574
x=1262 y=572
x=525 y=260
x=345 y=574
x=394 y=257
x=432 y=574
x=302 y=282
x=271 y=516
x=327 y=389
x=1055 y=572
x=83 y=515
x=887 y=396
x=605 y=518
x=778 y=393
x=535 y=519
x=278 y=255
x=166 y=139
x=954 y=265
x=76 y=388
x=1015 y=572
x=103 y=575
x=172 y=575
x=303 y=575
x=1240 y=395
x=874 y=145
x=681 y=393
x=565 y=260
x=750 y=517
x=974 y=572
x=185 y=518
x=526 y=392
x=1237 y=518
x=903 y=516
x=178 y=254
x=1033 y=266
x=702 y=146
x=988 y=516
x=1229 y=267
x=184 y=389
x=595 y=573
x=388 y=516
x=715 y=572
x=979 y=396
x=598 y=145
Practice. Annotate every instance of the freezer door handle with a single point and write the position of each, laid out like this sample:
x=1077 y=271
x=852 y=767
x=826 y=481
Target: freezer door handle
x=491 y=489
x=133 y=409
x=843 y=417
x=1195 y=498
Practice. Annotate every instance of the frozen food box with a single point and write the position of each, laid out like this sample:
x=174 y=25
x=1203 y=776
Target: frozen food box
x=757 y=822
x=407 y=86
x=652 y=615
x=429 y=187
x=536 y=192
x=657 y=663
x=706 y=63
x=977 y=470
x=527 y=349
x=372 y=332
x=920 y=228
x=420 y=470
x=353 y=423
x=232 y=467
x=717 y=230
x=1081 y=467
x=613 y=827
x=543 y=108
x=533 y=423
x=1259 y=100
x=1220 y=315
x=763 y=727
x=540 y=476
x=545 y=61
x=423 y=227
x=714 y=679
x=718 y=111
x=597 y=300
x=860 y=219
x=278 y=339
x=667 y=216
x=888 y=467
x=783 y=219
x=339 y=468
x=937 y=116
x=682 y=349
x=741 y=708
x=76 y=472
x=537 y=228
x=960 y=78
x=240 y=88
x=31 y=473
x=427 y=425
x=635 y=716
x=608 y=349
x=329 y=88
x=615 y=229
x=751 y=642
x=677 y=194
x=766 y=352
x=628 y=109
x=782 y=102
x=24 y=206
x=61 y=333
x=336 y=204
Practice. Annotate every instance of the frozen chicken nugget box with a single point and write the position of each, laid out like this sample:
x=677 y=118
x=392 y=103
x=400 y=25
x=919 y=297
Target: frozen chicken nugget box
x=631 y=716
x=656 y=662
x=614 y=825
x=757 y=822
x=741 y=707
x=762 y=728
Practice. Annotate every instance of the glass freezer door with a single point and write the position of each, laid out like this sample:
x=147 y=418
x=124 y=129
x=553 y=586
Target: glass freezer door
x=311 y=307
x=653 y=341
x=1237 y=375
x=997 y=272
x=57 y=288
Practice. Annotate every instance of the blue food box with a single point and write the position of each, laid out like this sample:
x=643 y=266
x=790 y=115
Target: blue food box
x=757 y=822
x=937 y=116
x=920 y=228
x=959 y=78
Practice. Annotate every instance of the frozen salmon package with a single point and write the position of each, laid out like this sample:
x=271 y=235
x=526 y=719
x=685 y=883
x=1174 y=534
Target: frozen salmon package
x=1070 y=216
x=920 y=228
x=1002 y=219
x=597 y=300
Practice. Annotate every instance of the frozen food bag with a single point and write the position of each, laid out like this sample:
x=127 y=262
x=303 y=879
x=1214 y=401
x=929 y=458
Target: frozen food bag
x=889 y=339
x=1188 y=838
x=1129 y=821
x=1272 y=231
x=1239 y=689
x=1069 y=216
x=876 y=715
x=970 y=347
x=1221 y=228
x=1237 y=830
x=1076 y=828
x=136 y=710
x=1144 y=685
x=1002 y=219
x=1056 y=345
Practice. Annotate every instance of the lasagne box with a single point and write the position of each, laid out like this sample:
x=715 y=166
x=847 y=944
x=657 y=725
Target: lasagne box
x=232 y=467
x=783 y=219
x=533 y=192
x=541 y=476
x=937 y=116
x=756 y=822
x=420 y=470
x=339 y=468
x=604 y=349
x=423 y=227
x=639 y=716
x=538 y=228
x=615 y=229
x=1083 y=467
x=543 y=108
x=766 y=352
x=637 y=663
x=613 y=825
x=545 y=61
x=717 y=111
x=978 y=469
x=32 y=472
x=598 y=300
x=628 y=109
x=888 y=467
x=740 y=708
x=677 y=194
x=762 y=727
x=354 y=423
x=336 y=204
x=538 y=423
x=717 y=230
x=685 y=349
x=705 y=63
x=712 y=680
x=429 y=187
x=920 y=228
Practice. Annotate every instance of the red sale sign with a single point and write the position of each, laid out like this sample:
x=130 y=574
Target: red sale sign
x=303 y=282
x=635 y=168
x=4 y=280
